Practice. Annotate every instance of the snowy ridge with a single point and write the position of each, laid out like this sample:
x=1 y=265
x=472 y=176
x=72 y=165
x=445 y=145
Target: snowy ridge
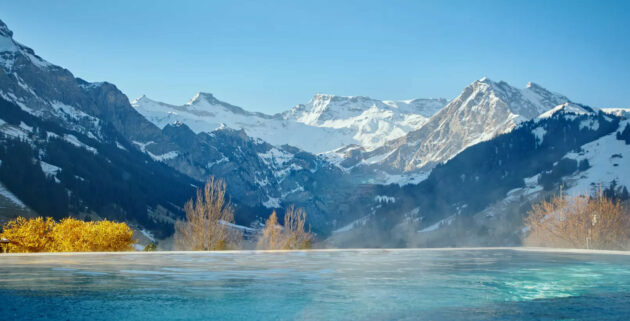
x=349 y=120
x=373 y=122
x=567 y=108
x=619 y=112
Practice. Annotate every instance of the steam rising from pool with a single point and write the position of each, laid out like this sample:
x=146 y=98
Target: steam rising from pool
x=317 y=285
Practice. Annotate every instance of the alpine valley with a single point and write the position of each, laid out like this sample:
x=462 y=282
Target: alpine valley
x=369 y=172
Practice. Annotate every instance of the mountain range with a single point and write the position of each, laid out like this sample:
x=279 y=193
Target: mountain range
x=409 y=172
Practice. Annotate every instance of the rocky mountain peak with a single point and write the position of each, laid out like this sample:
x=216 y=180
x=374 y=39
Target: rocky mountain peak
x=533 y=85
x=203 y=97
x=329 y=100
x=5 y=31
x=322 y=97
x=484 y=80
x=141 y=99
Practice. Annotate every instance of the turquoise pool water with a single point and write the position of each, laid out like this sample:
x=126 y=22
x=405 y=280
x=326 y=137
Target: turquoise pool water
x=500 y=284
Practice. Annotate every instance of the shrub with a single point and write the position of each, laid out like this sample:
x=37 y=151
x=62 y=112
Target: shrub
x=108 y=236
x=69 y=235
x=29 y=235
x=150 y=247
x=579 y=222
x=584 y=165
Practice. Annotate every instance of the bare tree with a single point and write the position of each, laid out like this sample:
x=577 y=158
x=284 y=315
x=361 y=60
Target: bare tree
x=292 y=236
x=271 y=237
x=297 y=237
x=579 y=222
x=206 y=227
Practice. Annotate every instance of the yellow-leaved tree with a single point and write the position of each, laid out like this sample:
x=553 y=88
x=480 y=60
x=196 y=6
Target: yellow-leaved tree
x=292 y=236
x=207 y=223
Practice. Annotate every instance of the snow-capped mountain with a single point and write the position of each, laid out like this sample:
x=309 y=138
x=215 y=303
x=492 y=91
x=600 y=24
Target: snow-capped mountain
x=482 y=111
x=378 y=141
x=325 y=123
x=479 y=196
x=204 y=114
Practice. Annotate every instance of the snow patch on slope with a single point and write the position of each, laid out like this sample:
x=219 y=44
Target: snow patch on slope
x=539 y=133
x=10 y=196
x=445 y=222
x=49 y=169
x=609 y=159
x=356 y=223
x=76 y=142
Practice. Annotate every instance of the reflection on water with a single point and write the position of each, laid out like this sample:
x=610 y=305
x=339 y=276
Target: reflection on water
x=335 y=285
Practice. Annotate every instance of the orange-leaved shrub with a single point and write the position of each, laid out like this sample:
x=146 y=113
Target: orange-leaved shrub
x=68 y=235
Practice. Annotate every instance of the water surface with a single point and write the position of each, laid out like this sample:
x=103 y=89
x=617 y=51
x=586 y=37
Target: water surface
x=501 y=284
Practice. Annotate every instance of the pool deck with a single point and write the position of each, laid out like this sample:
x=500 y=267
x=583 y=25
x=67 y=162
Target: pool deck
x=523 y=249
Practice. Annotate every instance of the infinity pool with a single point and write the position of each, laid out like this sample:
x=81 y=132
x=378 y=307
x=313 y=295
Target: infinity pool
x=466 y=284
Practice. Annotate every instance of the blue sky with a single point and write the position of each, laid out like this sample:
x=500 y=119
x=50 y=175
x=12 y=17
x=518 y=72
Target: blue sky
x=270 y=55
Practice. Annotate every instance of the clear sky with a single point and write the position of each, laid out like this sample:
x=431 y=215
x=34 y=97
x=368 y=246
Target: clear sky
x=271 y=55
